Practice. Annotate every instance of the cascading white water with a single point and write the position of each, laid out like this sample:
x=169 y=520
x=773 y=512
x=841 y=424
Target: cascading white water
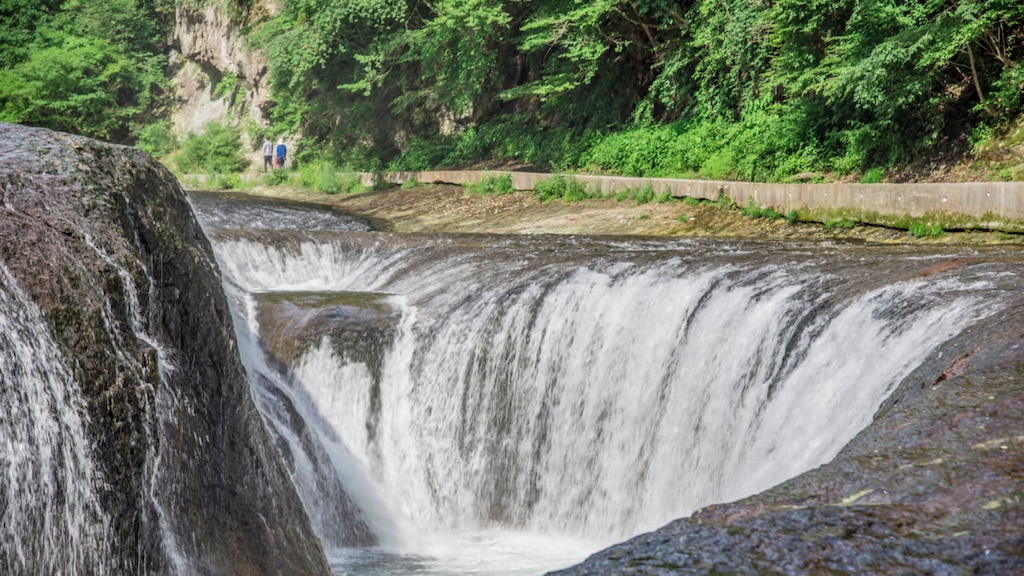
x=542 y=388
x=50 y=513
x=323 y=470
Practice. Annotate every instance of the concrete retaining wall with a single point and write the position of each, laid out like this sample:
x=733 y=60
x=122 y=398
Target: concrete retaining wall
x=1002 y=200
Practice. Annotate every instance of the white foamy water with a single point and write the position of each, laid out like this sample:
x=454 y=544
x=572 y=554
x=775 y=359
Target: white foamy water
x=50 y=513
x=481 y=553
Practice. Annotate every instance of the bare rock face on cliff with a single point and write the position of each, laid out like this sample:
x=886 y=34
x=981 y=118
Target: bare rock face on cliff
x=218 y=78
x=130 y=442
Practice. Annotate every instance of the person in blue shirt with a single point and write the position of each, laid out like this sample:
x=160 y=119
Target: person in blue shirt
x=282 y=152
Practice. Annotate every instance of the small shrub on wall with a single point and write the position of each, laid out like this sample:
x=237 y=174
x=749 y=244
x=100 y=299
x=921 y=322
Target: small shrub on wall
x=560 y=186
x=325 y=177
x=493 y=185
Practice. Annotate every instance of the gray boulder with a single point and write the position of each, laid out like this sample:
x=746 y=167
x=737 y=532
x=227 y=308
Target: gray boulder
x=102 y=240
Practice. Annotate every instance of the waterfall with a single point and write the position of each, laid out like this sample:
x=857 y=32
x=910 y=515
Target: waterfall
x=49 y=507
x=323 y=470
x=590 y=388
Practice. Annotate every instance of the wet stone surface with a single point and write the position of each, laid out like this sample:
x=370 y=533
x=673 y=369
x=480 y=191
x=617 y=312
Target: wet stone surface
x=359 y=325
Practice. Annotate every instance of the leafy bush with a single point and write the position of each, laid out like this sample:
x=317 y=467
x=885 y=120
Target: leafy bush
x=840 y=223
x=724 y=203
x=754 y=210
x=642 y=195
x=921 y=230
x=492 y=185
x=664 y=197
x=645 y=195
x=352 y=183
x=157 y=139
x=215 y=151
x=873 y=176
x=423 y=154
x=644 y=151
x=223 y=181
x=560 y=186
x=576 y=192
x=226 y=86
x=326 y=179
x=324 y=176
x=276 y=177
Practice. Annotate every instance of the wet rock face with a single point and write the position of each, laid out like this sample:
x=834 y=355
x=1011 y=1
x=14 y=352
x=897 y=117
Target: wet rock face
x=361 y=326
x=104 y=241
x=935 y=485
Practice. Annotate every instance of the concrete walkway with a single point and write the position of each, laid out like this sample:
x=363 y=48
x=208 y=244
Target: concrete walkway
x=983 y=200
x=992 y=205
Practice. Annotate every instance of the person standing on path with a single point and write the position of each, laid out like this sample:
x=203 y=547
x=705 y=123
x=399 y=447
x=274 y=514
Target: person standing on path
x=268 y=154
x=282 y=151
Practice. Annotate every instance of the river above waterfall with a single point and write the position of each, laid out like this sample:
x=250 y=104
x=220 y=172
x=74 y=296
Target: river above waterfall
x=508 y=404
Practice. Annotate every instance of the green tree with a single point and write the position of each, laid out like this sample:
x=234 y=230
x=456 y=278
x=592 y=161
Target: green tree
x=456 y=52
x=137 y=26
x=19 y=21
x=92 y=67
x=84 y=85
x=324 y=62
x=982 y=41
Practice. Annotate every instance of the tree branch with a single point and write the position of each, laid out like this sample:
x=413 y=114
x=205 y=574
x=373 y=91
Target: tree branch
x=977 y=84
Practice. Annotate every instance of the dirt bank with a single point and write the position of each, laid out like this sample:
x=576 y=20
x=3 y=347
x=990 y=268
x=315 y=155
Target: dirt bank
x=447 y=208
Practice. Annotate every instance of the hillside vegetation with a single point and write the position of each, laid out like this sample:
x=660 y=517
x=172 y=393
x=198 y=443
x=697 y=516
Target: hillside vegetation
x=747 y=89
x=739 y=89
x=91 y=67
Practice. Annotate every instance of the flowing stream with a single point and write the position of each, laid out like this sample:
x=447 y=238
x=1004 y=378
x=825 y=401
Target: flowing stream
x=477 y=404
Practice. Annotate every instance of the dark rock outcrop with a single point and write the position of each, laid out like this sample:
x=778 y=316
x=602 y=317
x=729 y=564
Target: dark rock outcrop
x=104 y=241
x=360 y=325
x=935 y=485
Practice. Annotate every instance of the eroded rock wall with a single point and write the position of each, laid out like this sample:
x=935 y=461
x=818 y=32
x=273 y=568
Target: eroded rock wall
x=208 y=47
x=104 y=241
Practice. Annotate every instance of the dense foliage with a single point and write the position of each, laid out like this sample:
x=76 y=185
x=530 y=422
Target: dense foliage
x=749 y=89
x=92 y=67
x=755 y=89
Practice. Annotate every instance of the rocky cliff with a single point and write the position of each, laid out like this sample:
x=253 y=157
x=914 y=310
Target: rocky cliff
x=103 y=242
x=218 y=76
